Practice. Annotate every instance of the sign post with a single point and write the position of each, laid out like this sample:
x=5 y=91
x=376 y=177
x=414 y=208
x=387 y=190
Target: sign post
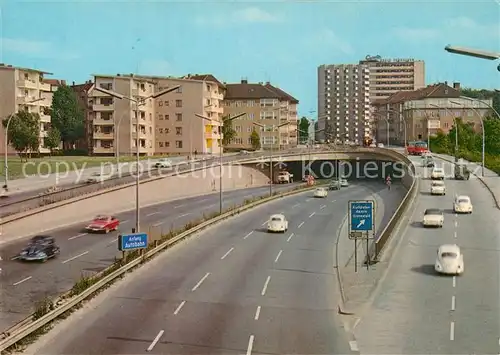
x=361 y=226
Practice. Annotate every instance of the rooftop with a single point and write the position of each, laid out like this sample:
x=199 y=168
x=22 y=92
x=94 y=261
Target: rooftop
x=245 y=91
x=11 y=67
x=439 y=90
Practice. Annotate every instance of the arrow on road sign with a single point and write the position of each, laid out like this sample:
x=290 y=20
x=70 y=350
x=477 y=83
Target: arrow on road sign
x=362 y=222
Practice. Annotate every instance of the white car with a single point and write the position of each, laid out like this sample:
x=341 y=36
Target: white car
x=163 y=164
x=462 y=204
x=433 y=218
x=277 y=223
x=437 y=174
x=449 y=260
x=344 y=183
x=97 y=177
x=380 y=145
x=320 y=192
x=438 y=188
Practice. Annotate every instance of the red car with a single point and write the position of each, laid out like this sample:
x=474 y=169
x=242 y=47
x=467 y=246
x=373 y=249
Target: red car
x=103 y=224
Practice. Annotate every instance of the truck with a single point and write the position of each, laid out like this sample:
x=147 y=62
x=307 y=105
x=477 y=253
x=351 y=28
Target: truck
x=284 y=177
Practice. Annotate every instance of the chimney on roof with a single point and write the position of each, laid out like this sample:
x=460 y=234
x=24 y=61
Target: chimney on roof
x=244 y=81
x=73 y=83
x=268 y=83
x=456 y=86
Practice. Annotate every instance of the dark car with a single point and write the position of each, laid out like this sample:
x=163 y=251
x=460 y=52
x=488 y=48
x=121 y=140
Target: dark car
x=40 y=248
x=334 y=185
x=461 y=172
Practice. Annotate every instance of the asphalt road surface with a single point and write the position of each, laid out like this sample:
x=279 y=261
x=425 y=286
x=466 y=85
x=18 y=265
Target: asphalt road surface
x=233 y=289
x=420 y=312
x=82 y=254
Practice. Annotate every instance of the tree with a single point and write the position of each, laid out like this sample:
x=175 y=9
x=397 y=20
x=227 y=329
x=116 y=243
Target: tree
x=53 y=139
x=304 y=129
x=228 y=133
x=67 y=116
x=484 y=95
x=24 y=131
x=255 y=139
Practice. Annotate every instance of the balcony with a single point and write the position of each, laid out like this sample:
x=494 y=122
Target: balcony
x=27 y=84
x=104 y=150
x=103 y=135
x=101 y=122
x=96 y=93
x=142 y=135
x=101 y=107
x=216 y=96
x=45 y=87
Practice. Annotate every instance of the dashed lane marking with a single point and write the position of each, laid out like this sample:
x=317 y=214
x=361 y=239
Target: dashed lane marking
x=78 y=236
x=152 y=214
x=75 y=257
x=179 y=307
x=278 y=256
x=264 y=289
x=322 y=207
x=156 y=340
x=250 y=345
x=454 y=281
x=453 y=301
x=257 y=313
x=248 y=235
x=312 y=214
x=23 y=280
x=290 y=238
x=296 y=205
x=200 y=282
x=452 y=331
x=227 y=253
x=300 y=225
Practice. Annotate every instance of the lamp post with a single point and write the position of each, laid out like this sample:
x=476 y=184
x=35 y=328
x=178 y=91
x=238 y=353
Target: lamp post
x=273 y=128
x=6 y=156
x=456 y=126
x=470 y=52
x=389 y=111
x=137 y=103
x=221 y=149
x=117 y=134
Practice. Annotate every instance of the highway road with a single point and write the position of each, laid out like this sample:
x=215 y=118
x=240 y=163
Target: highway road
x=420 y=312
x=233 y=289
x=25 y=283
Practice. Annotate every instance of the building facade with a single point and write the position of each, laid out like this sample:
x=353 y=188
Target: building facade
x=388 y=76
x=24 y=89
x=266 y=105
x=419 y=114
x=344 y=103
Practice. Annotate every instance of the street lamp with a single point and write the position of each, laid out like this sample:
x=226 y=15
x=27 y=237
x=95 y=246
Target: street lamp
x=482 y=127
x=470 y=52
x=6 y=156
x=137 y=103
x=456 y=126
x=221 y=148
x=273 y=127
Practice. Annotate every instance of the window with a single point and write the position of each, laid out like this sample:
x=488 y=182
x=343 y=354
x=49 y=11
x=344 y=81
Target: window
x=249 y=129
x=250 y=116
x=167 y=117
x=107 y=86
x=178 y=103
x=150 y=116
x=160 y=130
x=167 y=144
x=179 y=91
x=167 y=103
x=249 y=140
x=160 y=116
x=250 y=103
x=178 y=117
x=237 y=128
x=167 y=130
x=178 y=144
x=178 y=131
x=160 y=144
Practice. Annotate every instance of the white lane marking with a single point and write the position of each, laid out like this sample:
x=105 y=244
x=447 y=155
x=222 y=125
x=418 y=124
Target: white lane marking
x=452 y=331
x=456 y=224
x=323 y=206
x=264 y=289
x=179 y=206
x=152 y=214
x=333 y=200
x=353 y=344
x=296 y=205
x=200 y=282
x=157 y=224
x=157 y=339
x=290 y=237
x=179 y=307
x=209 y=206
x=23 y=280
x=300 y=225
x=456 y=215
x=257 y=313
x=112 y=242
x=278 y=256
x=309 y=199
x=183 y=215
x=75 y=257
x=312 y=214
x=454 y=281
x=453 y=300
x=15 y=257
x=78 y=236
x=455 y=234
x=200 y=201
x=125 y=221
x=248 y=235
x=250 y=345
x=263 y=224
x=227 y=253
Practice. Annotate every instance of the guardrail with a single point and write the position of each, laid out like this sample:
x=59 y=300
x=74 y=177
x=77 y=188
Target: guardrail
x=29 y=326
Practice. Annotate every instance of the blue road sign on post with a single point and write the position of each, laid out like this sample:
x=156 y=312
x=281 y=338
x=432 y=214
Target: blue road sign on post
x=361 y=216
x=133 y=241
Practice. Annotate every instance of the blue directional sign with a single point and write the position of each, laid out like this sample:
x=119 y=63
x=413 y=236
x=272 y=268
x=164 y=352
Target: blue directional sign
x=361 y=215
x=133 y=241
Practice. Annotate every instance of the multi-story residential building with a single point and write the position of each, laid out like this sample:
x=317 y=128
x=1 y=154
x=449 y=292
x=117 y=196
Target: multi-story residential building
x=344 y=103
x=426 y=111
x=266 y=105
x=24 y=88
x=83 y=94
x=388 y=76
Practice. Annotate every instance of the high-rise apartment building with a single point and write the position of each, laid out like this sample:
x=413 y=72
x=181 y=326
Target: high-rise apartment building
x=266 y=105
x=167 y=124
x=388 y=76
x=23 y=88
x=344 y=103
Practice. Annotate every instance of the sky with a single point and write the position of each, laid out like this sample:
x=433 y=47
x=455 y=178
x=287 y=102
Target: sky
x=278 y=41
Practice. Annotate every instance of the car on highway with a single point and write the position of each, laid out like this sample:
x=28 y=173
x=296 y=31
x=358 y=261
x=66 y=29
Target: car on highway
x=334 y=185
x=163 y=164
x=344 y=183
x=40 y=248
x=428 y=162
x=438 y=188
x=380 y=145
x=433 y=217
x=97 y=177
x=277 y=223
x=462 y=204
x=321 y=192
x=461 y=172
x=450 y=260
x=104 y=224
x=437 y=173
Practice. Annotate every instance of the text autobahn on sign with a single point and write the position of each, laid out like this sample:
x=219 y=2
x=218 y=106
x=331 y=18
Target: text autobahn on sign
x=133 y=241
x=361 y=216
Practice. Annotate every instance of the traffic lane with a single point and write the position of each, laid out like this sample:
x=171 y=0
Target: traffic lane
x=193 y=266
x=429 y=313
x=188 y=264
x=88 y=254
